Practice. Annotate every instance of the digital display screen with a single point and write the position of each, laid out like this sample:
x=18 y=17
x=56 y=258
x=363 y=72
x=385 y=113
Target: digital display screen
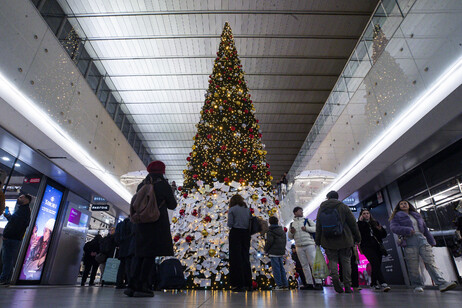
x=77 y=220
x=41 y=235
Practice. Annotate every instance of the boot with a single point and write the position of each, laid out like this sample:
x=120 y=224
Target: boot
x=337 y=286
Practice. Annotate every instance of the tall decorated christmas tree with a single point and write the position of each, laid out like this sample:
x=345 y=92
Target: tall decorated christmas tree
x=227 y=157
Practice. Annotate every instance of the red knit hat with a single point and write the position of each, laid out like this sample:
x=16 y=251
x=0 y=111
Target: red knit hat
x=156 y=167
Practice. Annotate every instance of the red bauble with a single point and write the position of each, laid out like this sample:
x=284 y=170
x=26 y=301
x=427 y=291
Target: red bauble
x=176 y=238
x=244 y=150
x=189 y=238
x=254 y=167
x=285 y=229
x=239 y=82
x=296 y=275
x=205 y=164
x=210 y=81
x=230 y=109
x=185 y=195
x=194 y=213
x=257 y=121
x=207 y=219
x=217 y=86
x=225 y=101
x=246 y=111
x=211 y=110
x=252 y=211
x=251 y=136
x=263 y=200
x=254 y=284
x=209 y=136
x=226 y=179
x=182 y=212
x=259 y=135
x=241 y=180
x=267 y=165
x=180 y=188
x=251 y=130
x=223 y=147
x=188 y=158
x=195 y=176
x=268 y=172
x=276 y=201
x=233 y=128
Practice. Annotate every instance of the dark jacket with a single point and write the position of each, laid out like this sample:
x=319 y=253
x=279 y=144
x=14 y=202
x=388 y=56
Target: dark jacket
x=155 y=239
x=17 y=223
x=275 y=241
x=108 y=245
x=89 y=247
x=367 y=240
x=401 y=225
x=350 y=233
x=123 y=238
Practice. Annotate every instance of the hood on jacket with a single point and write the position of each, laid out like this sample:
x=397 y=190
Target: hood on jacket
x=331 y=203
x=276 y=230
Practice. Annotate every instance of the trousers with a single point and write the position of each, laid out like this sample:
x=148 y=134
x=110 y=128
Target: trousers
x=306 y=254
x=344 y=256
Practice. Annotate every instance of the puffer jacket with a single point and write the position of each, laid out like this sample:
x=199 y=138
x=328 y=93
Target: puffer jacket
x=401 y=225
x=275 y=241
x=302 y=238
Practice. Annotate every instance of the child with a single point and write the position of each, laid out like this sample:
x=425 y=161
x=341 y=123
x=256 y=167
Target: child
x=275 y=248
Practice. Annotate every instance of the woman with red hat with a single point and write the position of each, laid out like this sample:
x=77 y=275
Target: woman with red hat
x=152 y=239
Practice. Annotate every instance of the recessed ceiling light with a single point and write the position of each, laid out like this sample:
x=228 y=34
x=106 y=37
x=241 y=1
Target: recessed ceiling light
x=17 y=165
x=5 y=158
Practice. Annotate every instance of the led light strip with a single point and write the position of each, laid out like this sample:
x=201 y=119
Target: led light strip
x=51 y=129
x=441 y=88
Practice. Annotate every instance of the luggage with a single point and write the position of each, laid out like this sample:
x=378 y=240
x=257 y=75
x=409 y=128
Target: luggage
x=110 y=271
x=170 y=275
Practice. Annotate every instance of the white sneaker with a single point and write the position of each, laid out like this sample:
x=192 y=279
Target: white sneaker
x=419 y=289
x=385 y=287
x=377 y=287
x=448 y=286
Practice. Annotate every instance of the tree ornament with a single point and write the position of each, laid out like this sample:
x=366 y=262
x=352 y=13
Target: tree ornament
x=226 y=179
x=254 y=167
x=182 y=212
x=189 y=238
x=188 y=158
x=209 y=204
x=263 y=200
x=204 y=233
x=218 y=160
x=213 y=173
x=212 y=252
x=208 y=218
x=174 y=219
x=232 y=128
x=195 y=176
x=204 y=164
x=276 y=202
x=285 y=229
x=185 y=195
x=176 y=238
x=194 y=212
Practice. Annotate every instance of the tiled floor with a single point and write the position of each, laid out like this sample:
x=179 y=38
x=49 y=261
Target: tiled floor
x=97 y=297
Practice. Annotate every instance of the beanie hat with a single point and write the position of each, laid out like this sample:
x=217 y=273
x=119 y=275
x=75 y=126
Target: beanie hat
x=156 y=167
x=50 y=224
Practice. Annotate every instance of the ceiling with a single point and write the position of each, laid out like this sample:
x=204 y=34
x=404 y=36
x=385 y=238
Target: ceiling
x=159 y=54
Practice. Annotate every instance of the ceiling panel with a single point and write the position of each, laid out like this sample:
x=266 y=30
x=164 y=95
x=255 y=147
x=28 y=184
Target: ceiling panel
x=159 y=54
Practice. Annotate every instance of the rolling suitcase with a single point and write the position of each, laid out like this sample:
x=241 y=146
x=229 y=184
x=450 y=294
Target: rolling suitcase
x=110 y=271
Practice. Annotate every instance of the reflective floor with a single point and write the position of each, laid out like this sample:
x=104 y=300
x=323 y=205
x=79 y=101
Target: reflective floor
x=89 y=297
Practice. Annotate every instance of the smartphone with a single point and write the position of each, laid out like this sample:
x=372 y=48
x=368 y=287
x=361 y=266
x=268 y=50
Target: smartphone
x=7 y=210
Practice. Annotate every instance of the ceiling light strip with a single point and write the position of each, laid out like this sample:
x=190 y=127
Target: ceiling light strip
x=32 y=112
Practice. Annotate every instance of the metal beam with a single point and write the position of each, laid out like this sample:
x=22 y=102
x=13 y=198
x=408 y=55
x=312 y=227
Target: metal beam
x=61 y=27
x=41 y=4
x=218 y=36
x=226 y=12
x=246 y=74
x=202 y=102
x=272 y=57
x=98 y=86
x=106 y=102
x=204 y=89
x=123 y=123
x=87 y=71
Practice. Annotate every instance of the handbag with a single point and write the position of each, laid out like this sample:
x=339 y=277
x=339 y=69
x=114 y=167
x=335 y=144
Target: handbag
x=257 y=225
x=382 y=249
x=100 y=258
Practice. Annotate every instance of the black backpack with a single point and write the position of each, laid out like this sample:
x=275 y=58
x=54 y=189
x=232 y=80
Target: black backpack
x=170 y=275
x=331 y=223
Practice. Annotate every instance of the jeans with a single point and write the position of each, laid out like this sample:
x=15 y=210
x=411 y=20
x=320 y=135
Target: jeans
x=306 y=254
x=90 y=265
x=417 y=245
x=140 y=276
x=10 y=251
x=239 y=259
x=344 y=255
x=279 y=273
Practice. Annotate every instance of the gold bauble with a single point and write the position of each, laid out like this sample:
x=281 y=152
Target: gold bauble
x=194 y=154
x=174 y=219
x=268 y=183
x=213 y=173
x=216 y=95
x=260 y=152
x=212 y=252
x=209 y=204
x=271 y=178
x=194 y=147
x=254 y=197
x=204 y=233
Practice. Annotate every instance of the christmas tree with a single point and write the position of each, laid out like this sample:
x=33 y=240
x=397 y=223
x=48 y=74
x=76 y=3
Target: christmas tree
x=227 y=157
x=228 y=143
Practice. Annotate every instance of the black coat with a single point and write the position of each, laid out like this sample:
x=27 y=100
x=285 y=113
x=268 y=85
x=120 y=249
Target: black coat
x=88 y=248
x=17 y=223
x=108 y=245
x=367 y=240
x=124 y=238
x=155 y=239
x=276 y=241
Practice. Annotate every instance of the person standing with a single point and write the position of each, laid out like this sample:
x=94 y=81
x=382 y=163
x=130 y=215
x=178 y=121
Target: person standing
x=239 y=244
x=417 y=242
x=123 y=238
x=301 y=231
x=275 y=247
x=337 y=232
x=152 y=239
x=13 y=235
x=372 y=234
x=107 y=249
x=298 y=264
x=90 y=250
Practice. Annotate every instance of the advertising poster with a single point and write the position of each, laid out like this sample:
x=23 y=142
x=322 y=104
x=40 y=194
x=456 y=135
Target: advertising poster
x=41 y=235
x=77 y=220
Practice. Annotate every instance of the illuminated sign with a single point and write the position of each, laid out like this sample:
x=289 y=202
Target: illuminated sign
x=100 y=207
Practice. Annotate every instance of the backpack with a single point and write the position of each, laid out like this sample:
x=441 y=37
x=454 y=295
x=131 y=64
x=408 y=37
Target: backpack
x=331 y=224
x=170 y=275
x=143 y=206
x=313 y=234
